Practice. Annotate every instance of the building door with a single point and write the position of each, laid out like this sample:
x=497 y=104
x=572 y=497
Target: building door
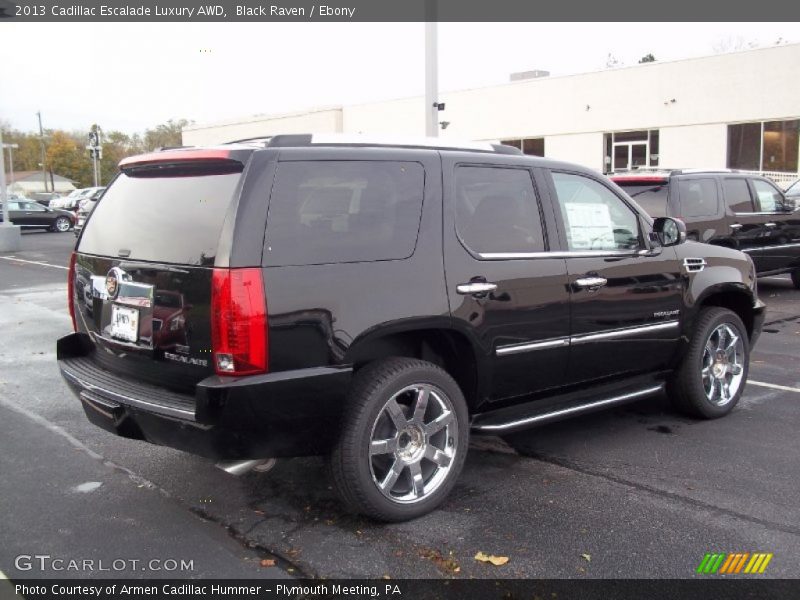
x=630 y=155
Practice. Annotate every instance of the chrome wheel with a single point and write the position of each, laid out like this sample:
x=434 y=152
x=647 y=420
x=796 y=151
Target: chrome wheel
x=413 y=443
x=723 y=364
x=62 y=224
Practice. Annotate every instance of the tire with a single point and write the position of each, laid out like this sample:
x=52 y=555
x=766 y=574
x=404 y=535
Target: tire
x=796 y=279
x=61 y=225
x=712 y=376
x=382 y=462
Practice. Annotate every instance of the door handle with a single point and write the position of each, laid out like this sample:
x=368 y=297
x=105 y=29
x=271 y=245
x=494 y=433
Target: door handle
x=736 y=226
x=770 y=225
x=475 y=287
x=591 y=283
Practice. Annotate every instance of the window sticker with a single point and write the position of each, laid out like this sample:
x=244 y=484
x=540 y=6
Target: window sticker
x=589 y=225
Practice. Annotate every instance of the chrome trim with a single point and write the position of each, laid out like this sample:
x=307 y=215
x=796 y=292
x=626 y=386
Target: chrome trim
x=560 y=254
x=736 y=226
x=694 y=265
x=122 y=399
x=793 y=245
x=525 y=347
x=762 y=214
x=770 y=224
x=543 y=418
x=618 y=333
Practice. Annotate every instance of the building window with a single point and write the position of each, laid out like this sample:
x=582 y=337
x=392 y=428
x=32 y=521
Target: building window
x=530 y=146
x=764 y=146
x=627 y=150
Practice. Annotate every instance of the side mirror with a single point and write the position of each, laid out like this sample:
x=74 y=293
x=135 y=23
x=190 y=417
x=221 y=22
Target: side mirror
x=670 y=232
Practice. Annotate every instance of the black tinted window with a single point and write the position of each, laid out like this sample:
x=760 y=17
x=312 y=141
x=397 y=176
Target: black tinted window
x=698 y=197
x=652 y=197
x=169 y=215
x=737 y=195
x=497 y=211
x=344 y=211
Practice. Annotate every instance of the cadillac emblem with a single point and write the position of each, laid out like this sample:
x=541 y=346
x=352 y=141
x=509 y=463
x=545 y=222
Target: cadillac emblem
x=113 y=279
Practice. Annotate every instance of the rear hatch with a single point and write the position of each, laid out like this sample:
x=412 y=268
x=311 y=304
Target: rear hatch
x=651 y=192
x=144 y=265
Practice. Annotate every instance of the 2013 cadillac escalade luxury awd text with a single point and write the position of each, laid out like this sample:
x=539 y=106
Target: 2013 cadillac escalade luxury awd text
x=381 y=303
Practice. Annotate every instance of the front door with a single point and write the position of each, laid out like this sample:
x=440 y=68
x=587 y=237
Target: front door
x=625 y=299
x=506 y=292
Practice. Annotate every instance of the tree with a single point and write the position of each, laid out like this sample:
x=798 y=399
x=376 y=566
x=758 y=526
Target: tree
x=612 y=62
x=165 y=135
x=732 y=44
x=67 y=158
x=647 y=58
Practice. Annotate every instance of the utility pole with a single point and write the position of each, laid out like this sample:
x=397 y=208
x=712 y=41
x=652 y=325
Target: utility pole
x=11 y=148
x=3 y=194
x=41 y=140
x=10 y=239
x=95 y=149
x=432 y=105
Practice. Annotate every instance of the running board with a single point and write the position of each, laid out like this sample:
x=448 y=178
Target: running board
x=513 y=418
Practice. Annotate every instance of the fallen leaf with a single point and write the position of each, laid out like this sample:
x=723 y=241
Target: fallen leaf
x=497 y=561
x=268 y=562
x=588 y=557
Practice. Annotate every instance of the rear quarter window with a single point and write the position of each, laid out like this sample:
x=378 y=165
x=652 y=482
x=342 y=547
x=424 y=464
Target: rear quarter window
x=343 y=211
x=698 y=197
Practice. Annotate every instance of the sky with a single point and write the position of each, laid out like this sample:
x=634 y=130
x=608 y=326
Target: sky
x=130 y=77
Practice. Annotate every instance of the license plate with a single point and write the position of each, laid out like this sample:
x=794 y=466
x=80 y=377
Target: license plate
x=124 y=323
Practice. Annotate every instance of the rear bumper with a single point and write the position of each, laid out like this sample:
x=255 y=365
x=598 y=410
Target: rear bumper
x=290 y=413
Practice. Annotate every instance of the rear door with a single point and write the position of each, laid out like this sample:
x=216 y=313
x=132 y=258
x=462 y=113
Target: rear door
x=144 y=268
x=699 y=206
x=780 y=226
x=751 y=228
x=625 y=302
x=506 y=291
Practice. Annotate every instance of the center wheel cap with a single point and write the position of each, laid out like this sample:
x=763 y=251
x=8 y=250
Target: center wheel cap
x=411 y=443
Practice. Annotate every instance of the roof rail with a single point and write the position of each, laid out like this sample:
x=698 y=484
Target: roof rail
x=305 y=140
x=265 y=138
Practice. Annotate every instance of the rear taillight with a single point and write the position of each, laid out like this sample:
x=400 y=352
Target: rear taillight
x=239 y=338
x=71 y=290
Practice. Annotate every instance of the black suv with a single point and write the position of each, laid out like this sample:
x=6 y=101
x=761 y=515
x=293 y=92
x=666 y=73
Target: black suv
x=726 y=208
x=378 y=304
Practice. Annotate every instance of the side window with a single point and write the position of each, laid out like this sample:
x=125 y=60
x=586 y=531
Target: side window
x=698 y=197
x=33 y=207
x=594 y=217
x=324 y=212
x=769 y=199
x=737 y=195
x=497 y=210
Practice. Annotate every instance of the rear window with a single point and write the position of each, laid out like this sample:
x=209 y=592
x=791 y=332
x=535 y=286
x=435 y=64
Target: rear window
x=698 y=197
x=343 y=211
x=171 y=215
x=652 y=197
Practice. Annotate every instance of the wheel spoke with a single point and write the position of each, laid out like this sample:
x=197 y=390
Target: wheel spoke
x=439 y=423
x=392 y=476
x=396 y=414
x=706 y=371
x=416 y=479
x=436 y=456
x=724 y=390
x=731 y=347
x=383 y=446
x=736 y=369
x=721 y=331
x=420 y=406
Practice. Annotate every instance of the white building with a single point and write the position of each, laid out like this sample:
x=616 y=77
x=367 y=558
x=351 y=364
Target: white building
x=738 y=110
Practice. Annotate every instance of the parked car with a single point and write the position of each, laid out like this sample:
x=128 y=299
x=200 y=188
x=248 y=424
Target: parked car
x=379 y=304
x=45 y=198
x=85 y=208
x=32 y=215
x=72 y=201
x=793 y=192
x=726 y=208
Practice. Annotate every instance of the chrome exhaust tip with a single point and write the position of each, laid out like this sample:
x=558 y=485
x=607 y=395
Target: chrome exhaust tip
x=240 y=467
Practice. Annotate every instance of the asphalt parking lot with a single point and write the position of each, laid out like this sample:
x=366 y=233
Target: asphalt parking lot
x=634 y=492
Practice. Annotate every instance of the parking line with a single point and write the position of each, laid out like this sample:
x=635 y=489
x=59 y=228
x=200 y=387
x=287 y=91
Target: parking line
x=774 y=386
x=34 y=262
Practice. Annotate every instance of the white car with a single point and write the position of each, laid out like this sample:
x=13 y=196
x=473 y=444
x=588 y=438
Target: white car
x=71 y=201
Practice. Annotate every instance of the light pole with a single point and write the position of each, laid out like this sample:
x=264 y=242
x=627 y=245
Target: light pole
x=10 y=240
x=41 y=140
x=3 y=194
x=431 y=72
